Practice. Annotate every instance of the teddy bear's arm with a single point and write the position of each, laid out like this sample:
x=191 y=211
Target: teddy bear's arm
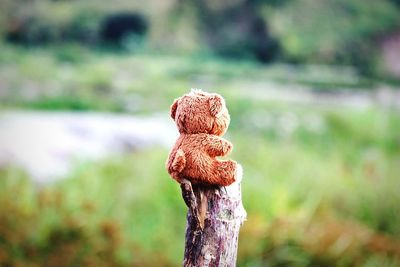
x=217 y=146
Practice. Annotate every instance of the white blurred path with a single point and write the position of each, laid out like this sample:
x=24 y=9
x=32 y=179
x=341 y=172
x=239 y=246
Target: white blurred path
x=46 y=144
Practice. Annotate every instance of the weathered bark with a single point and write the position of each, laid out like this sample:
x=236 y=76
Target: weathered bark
x=214 y=217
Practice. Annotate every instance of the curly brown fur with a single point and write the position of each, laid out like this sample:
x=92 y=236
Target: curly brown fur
x=202 y=118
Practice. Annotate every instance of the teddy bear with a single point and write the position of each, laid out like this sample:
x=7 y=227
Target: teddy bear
x=202 y=118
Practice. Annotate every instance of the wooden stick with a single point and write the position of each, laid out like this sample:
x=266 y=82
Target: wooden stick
x=215 y=215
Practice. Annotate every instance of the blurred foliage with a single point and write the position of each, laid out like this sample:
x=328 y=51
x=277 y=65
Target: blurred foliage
x=321 y=182
x=320 y=186
x=104 y=215
x=302 y=211
x=344 y=32
x=233 y=29
x=333 y=32
x=74 y=77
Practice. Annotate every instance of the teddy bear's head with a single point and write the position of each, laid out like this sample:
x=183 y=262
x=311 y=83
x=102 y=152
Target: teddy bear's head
x=200 y=112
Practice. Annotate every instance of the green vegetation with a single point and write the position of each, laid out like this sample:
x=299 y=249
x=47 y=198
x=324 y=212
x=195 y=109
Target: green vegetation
x=112 y=213
x=320 y=184
x=346 y=32
x=74 y=77
x=320 y=181
x=341 y=183
x=333 y=31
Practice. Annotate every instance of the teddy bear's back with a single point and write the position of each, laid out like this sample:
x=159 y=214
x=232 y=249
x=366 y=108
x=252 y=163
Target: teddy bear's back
x=198 y=161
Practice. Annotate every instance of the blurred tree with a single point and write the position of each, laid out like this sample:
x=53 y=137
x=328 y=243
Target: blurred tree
x=337 y=32
x=116 y=28
x=234 y=28
x=396 y=2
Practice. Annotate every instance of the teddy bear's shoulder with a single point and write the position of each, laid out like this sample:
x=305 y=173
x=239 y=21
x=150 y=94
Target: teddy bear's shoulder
x=193 y=139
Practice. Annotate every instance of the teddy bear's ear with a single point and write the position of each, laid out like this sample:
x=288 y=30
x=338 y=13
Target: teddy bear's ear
x=216 y=103
x=174 y=106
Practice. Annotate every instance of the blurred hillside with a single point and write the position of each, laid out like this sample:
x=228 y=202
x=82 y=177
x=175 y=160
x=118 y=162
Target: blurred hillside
x=359 y=33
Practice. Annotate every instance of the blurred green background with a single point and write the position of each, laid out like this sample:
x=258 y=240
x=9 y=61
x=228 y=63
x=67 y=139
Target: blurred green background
x=313 y=92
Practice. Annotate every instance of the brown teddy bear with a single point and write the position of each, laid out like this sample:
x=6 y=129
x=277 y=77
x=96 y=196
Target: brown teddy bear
x=202 y=118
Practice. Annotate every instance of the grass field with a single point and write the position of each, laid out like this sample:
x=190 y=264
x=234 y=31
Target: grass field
x=320 y=182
